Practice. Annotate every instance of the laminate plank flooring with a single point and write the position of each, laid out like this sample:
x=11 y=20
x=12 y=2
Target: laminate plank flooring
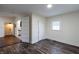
x=53 y=47
x=12 y=45
x=8 y=40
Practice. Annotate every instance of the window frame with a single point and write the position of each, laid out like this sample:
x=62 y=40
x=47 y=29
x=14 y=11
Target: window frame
x=55 y=24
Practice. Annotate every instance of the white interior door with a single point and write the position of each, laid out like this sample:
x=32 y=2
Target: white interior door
x=25 y=29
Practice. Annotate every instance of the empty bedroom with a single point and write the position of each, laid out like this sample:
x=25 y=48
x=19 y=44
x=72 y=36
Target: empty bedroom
x=39 y=28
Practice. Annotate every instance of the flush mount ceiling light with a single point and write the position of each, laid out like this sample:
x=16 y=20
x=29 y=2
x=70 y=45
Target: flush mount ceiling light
x=49 y=6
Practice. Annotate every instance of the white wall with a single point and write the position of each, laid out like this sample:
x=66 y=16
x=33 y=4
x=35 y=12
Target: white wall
x=3 y=20
x=17 y=22
x=38 y=28
x=69 y=32
x=24 y=29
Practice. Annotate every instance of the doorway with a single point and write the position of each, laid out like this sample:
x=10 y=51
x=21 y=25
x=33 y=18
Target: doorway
x=9 y=29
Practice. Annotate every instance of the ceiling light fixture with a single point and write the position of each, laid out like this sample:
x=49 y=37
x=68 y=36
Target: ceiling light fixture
x=49 y=6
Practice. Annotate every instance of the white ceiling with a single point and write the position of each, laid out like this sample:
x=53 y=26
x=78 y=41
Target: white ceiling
x=37 y=8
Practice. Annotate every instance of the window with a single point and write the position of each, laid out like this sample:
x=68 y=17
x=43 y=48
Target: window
x=56 y=25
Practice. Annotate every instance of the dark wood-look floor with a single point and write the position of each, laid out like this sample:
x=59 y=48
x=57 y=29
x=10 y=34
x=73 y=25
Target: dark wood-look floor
x=12 y=45
x=53 y=47
x=8 y=40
